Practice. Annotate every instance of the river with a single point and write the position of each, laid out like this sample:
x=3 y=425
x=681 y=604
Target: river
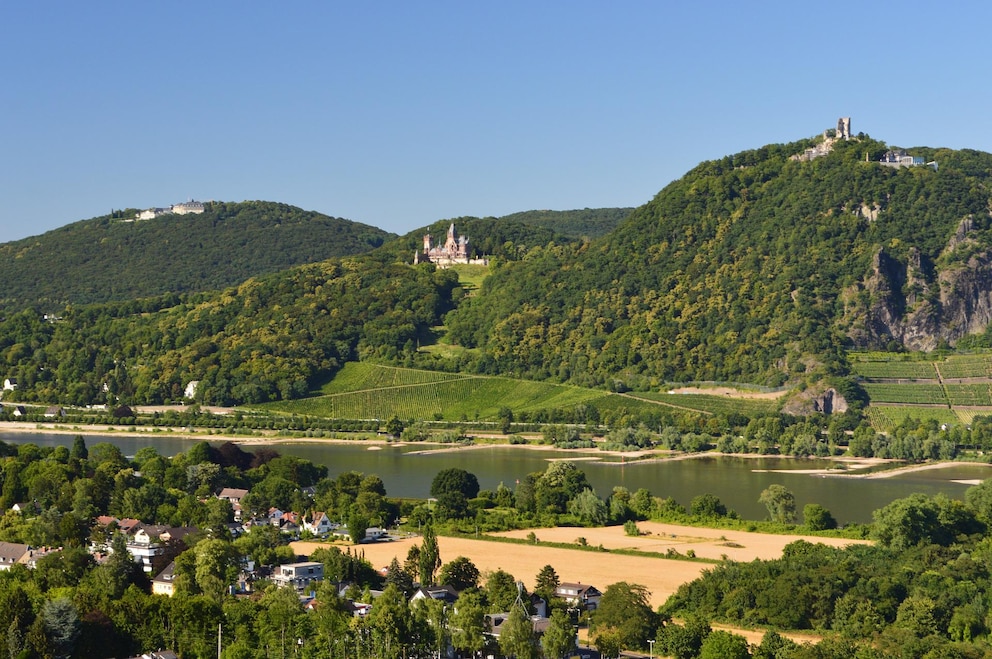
x=407 y=471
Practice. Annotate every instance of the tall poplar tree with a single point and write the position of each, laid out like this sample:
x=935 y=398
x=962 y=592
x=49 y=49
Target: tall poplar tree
x=430 y=557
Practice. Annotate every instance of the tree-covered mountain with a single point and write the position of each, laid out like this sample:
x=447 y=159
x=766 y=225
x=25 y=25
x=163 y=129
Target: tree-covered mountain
x=581 y=223
x=757 y=267
x=115 y=258
x=272 y=337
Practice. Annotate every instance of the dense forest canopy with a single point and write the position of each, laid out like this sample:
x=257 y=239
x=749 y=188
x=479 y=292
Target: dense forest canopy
x=580 y=223
x=114 y=258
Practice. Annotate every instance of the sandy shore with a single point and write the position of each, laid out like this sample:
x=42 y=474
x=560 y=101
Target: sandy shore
x=908 y=469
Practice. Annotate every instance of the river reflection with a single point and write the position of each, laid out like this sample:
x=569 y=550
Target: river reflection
x=407 y=471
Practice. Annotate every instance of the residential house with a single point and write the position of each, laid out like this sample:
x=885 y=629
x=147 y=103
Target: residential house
x=24 y=508
x=20 y=410
x=320 y=525
x=234 y=495
x=288 y=523
x=298 y=575
x=494 y=623
x=54 y=412
x=9 y=384
x=579 y=595
x=189 y=392
x=12 y=553
x=128 y=526
x=151 y=540
x=164 y=583
x=144 y=545
x=446 y=594
x=157 y=654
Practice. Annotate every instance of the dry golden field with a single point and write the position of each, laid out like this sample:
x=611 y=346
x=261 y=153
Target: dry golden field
x=659 y=538
x=660 y=576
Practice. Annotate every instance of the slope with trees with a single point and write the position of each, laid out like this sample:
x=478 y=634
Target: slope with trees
x=113 y=258
x=754 y=267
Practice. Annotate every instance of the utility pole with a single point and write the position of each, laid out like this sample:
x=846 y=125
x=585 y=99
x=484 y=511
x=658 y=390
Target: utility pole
x=219 y=624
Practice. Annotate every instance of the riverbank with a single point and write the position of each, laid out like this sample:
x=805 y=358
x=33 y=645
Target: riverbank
x=835 y=467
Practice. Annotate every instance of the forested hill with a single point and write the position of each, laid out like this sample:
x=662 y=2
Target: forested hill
x=271 y=337
x=581 y=223
x=756 y=267
x=108 y=258
x=511 y=236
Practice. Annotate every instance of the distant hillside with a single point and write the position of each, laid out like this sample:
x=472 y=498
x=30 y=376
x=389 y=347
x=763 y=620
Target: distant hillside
x=584 y=223
x=487 y=237
x=511 y=236
x=756 y=267
x=107 y=258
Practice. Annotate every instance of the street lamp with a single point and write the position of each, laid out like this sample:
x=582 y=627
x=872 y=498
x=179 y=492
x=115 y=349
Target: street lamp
x=650 y=648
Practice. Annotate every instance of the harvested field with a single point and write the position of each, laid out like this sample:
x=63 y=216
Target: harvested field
x=659 y=538
x=660 y=576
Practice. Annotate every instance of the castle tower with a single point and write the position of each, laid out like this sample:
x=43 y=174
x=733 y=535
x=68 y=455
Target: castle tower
x=844 y=128
x=427 y=242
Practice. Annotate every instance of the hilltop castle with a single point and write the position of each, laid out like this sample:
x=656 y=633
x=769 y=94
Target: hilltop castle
x=454 y=250
x=843 y=132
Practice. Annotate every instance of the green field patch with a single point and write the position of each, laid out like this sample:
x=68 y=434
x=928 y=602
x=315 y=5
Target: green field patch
x=969 y=394
x=470 y=276
x=966 y=366
x=714 y=404
x=905 y=393
x=360 y=376
x=411 y=394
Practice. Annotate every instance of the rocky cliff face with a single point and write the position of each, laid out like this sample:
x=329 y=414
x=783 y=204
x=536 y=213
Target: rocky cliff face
x=920 y=307
x=816 y=399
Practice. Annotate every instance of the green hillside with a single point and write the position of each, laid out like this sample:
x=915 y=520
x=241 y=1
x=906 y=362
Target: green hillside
x=270 y=338
x=374 y=391
x=113 y=258
x=582 y=223
x=756 y=268
x=753 y=268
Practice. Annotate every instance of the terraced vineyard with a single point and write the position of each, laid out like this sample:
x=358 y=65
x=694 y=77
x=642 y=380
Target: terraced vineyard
x=923 y=394
x=894 y=397
x=894 y=370
x=888 y=417
x=966 y=366
x=969 y=394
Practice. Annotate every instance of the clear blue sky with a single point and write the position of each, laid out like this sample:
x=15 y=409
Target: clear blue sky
x=398 y=114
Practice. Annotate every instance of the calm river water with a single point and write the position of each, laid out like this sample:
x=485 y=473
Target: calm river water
x=407 y=472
